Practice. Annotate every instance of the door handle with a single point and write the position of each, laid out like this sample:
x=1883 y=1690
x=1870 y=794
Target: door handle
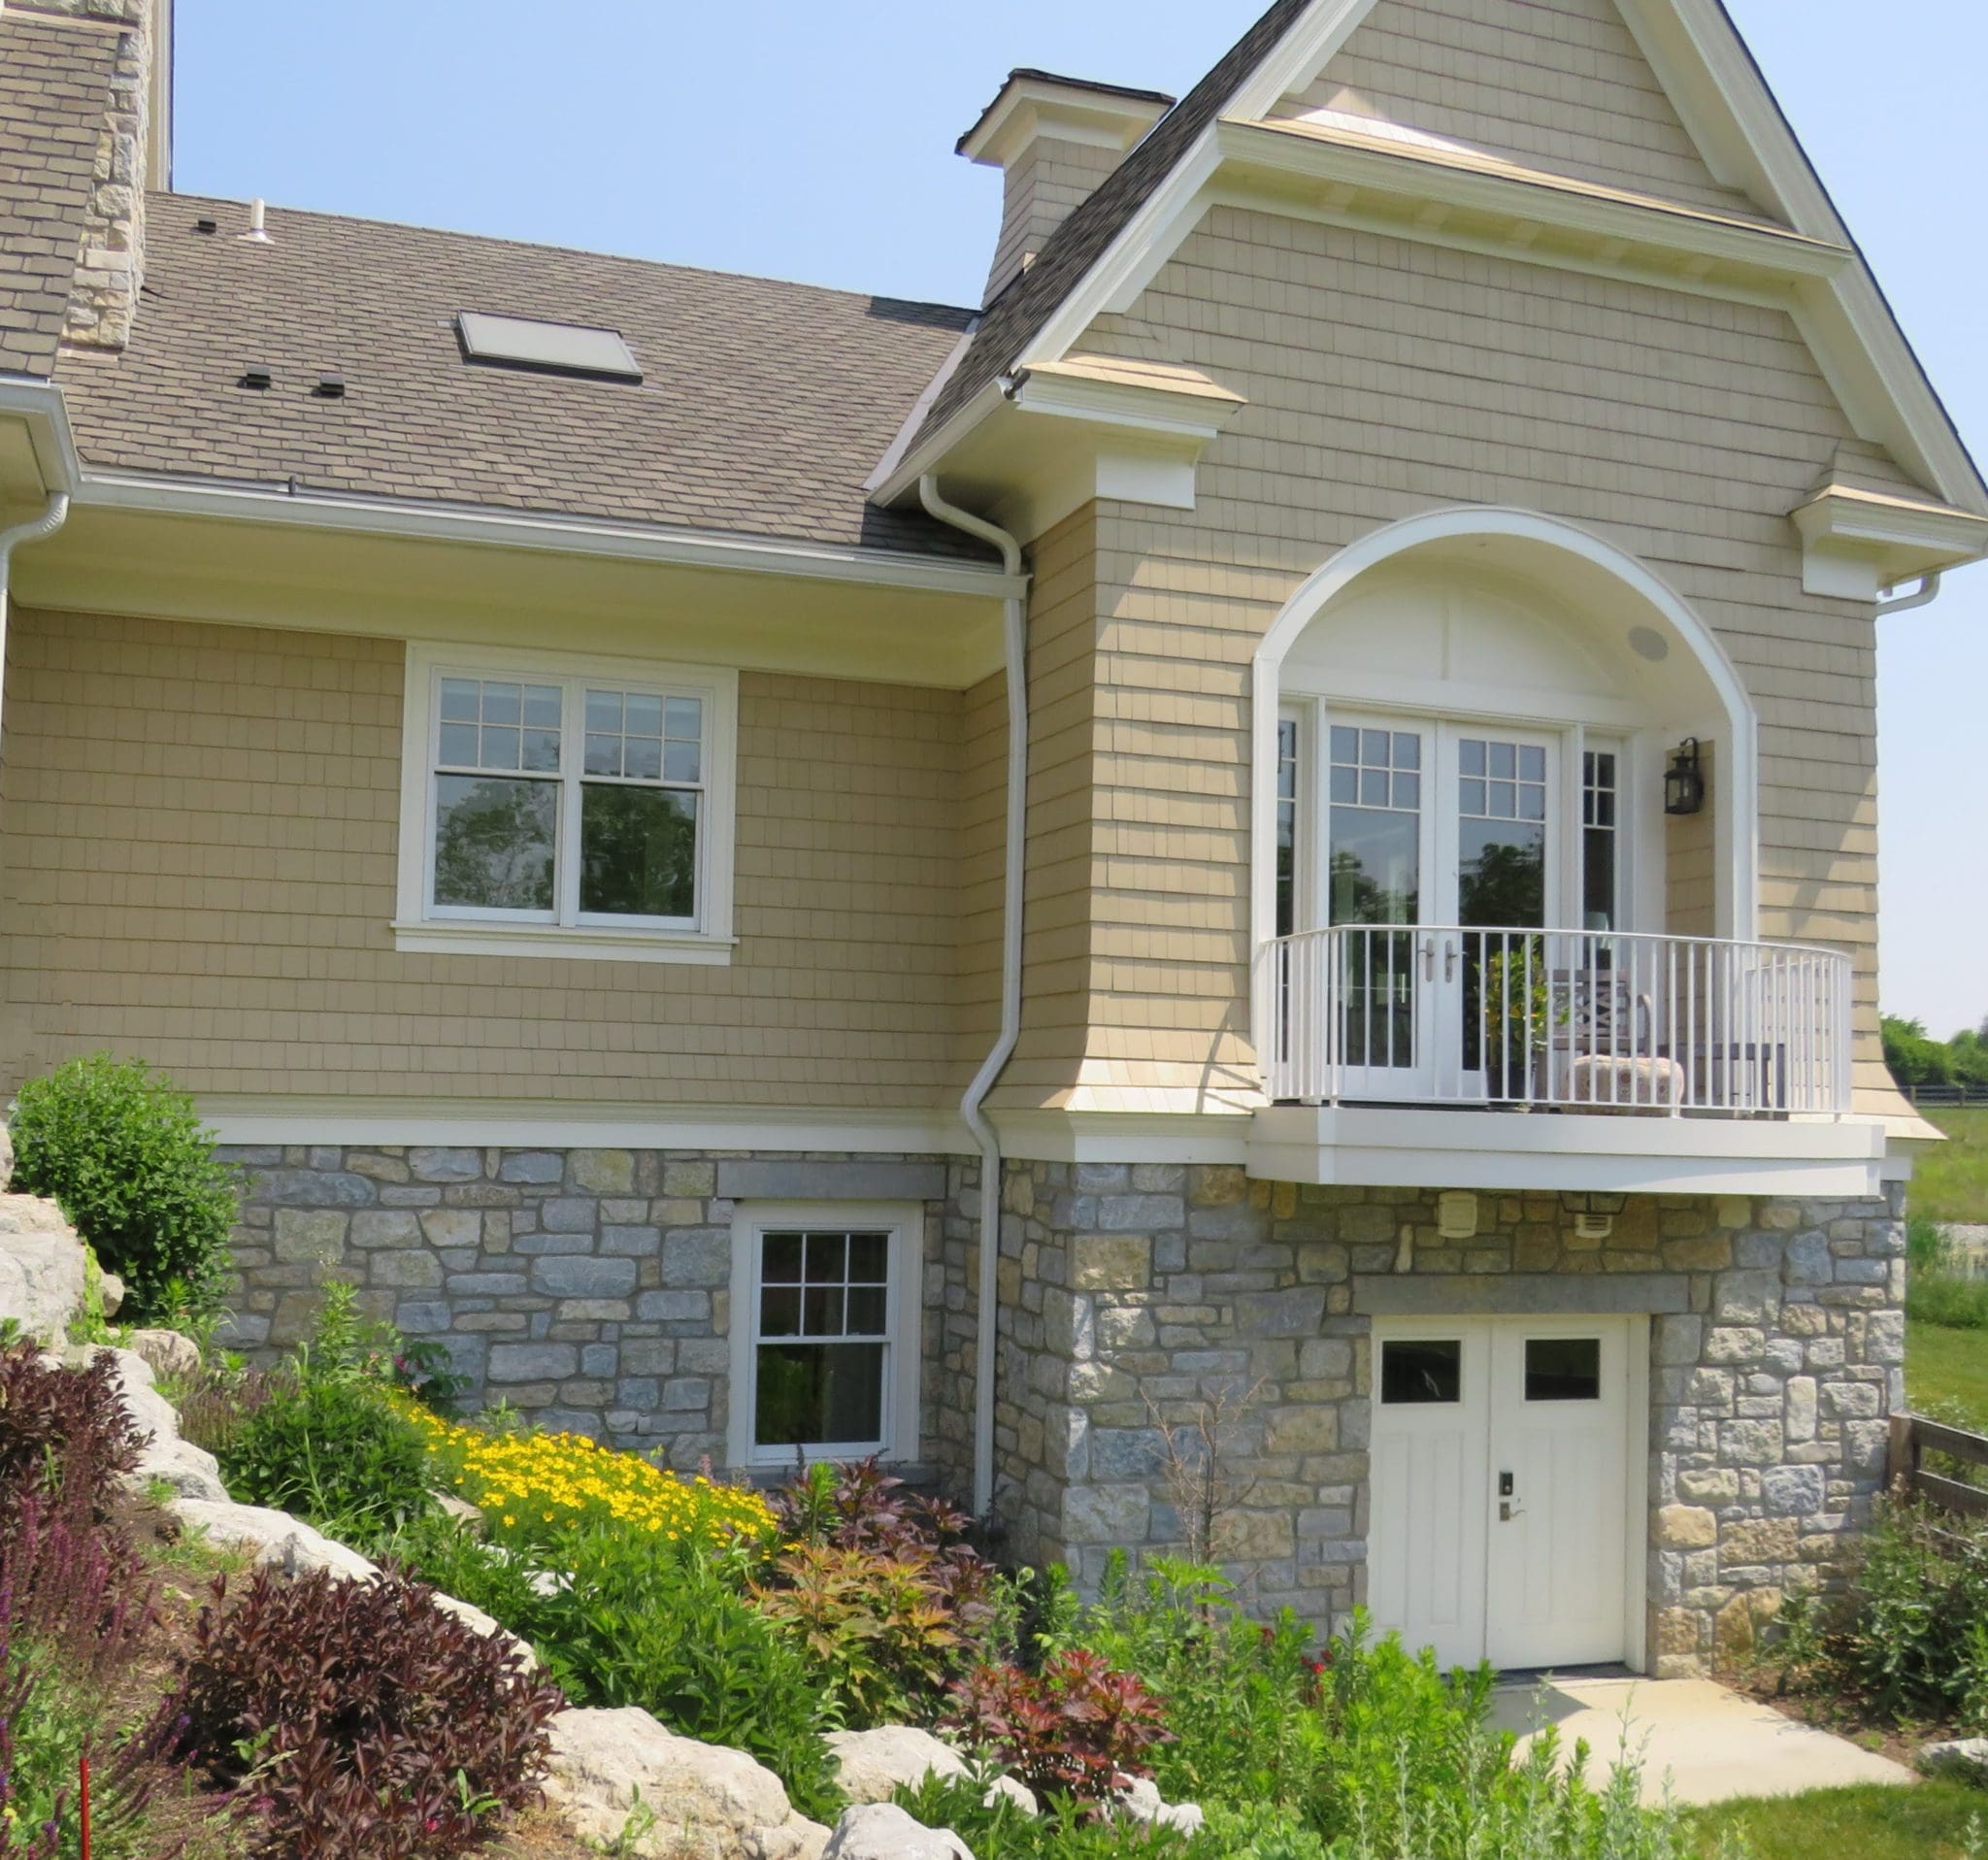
x=1428 y=958
x=1449 y=959
x=1507 y=1511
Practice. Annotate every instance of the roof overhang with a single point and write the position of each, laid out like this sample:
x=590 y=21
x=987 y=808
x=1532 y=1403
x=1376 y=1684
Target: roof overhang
x=1032 y=104
x=258 y=556
x=1857 y=543
x=1062 y=433
x=37 y=450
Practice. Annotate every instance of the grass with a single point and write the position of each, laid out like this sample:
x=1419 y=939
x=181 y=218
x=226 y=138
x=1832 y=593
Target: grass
x=1931 y=1821
x=1950 y=1182
x=1946 y=1372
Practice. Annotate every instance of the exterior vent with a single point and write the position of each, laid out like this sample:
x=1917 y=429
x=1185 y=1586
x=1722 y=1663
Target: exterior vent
x=546 y=349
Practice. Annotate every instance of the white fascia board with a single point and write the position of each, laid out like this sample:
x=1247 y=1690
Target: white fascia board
x=1190 y=419
x=1362 y=1146
x=557 y=535
x=1305 y=51
x=1572 y=208
x=40 y=406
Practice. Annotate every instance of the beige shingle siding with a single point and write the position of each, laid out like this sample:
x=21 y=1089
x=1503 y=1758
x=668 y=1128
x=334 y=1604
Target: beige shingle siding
x=1386 y=378
x=54 y=96
x=1560 y=83
x=200 y=840
x=1045 y=185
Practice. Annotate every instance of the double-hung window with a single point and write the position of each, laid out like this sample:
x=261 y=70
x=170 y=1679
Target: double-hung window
x=826 y=1305
x=563 y=809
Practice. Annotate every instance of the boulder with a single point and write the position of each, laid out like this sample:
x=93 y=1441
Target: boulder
x=1963 y=1759
x=1141 y=1801
x=882 y=1830
x=42 y=1267
x=110 y=1292
x=706 y=1802
x=167 y=1351
x=1007 y=1789
x=875 y=1764
x=6 y=1159
x=273 y=1539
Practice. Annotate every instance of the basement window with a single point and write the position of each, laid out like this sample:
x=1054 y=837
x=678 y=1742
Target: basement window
x=563 y=806
x=546 y=349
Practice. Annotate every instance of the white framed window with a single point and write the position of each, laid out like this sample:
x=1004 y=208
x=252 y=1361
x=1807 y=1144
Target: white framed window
x=825 y=1332
x=563 y=806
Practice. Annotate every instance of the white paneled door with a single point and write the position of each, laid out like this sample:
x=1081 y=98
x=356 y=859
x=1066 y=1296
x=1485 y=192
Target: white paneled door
x=1503 y=1454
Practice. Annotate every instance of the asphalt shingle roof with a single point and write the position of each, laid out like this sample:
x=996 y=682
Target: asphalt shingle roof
x=764 y=408
x=54 y=93
x=1022 y=312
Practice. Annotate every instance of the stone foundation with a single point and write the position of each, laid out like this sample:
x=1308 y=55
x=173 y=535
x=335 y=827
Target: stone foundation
x=1143 y=1306
x=588 y=1288
x=1136 y=1298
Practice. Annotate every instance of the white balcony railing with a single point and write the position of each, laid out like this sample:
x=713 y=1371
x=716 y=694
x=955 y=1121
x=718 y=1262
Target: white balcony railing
x=1584 y=1021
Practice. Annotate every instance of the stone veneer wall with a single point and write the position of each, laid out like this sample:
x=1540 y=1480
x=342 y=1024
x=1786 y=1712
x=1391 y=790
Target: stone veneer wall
x=589 y=1288
x=1133 y=1294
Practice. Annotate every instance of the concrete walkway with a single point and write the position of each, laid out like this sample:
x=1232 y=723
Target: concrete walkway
x=1710 y=1743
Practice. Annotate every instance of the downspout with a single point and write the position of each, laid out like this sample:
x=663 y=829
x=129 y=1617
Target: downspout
x=54 y=514
x=1927 y=592
x=971 y=1107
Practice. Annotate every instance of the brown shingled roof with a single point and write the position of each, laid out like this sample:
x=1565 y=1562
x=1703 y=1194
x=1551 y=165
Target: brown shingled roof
x=54 y=92
x=764 y=406
x=1022 y=311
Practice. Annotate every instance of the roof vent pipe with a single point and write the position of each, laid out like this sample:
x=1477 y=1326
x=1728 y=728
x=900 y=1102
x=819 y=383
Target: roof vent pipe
x=258 y=233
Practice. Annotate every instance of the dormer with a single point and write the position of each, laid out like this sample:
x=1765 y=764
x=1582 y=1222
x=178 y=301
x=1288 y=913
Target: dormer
x=1055 y=141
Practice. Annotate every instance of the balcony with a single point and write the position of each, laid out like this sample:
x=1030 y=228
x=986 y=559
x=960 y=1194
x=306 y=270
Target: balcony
x=1619 y=1060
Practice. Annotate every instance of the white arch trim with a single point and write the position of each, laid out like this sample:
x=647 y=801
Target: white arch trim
x=1737 y=805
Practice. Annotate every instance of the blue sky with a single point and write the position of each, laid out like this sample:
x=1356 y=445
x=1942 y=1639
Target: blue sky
x=815 y=142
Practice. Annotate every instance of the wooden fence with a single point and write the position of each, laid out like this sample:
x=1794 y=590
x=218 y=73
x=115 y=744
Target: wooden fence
x=1913 y=1437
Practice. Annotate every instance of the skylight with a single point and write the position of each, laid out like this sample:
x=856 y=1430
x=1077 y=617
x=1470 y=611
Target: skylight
x=552 y=348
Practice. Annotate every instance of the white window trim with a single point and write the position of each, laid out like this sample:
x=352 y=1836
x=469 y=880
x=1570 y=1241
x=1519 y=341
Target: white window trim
x=417 y=928
x=903 y=1364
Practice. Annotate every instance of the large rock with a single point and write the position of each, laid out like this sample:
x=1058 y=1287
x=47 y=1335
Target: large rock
x=1965 y=1759
x=42 y=1267
x=708 y=1803
x=881 y=1831
x=188 y=1470
x=168 y=1351
x=1141 y=1801
x=273 y=1539
x=876 y=1764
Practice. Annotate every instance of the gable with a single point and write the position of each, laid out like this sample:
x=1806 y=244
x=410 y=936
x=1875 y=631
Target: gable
x=1557 y=84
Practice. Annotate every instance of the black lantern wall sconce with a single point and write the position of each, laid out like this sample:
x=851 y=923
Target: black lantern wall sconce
x=1684 y=781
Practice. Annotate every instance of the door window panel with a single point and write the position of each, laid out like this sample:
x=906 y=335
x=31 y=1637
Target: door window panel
x=1376 y=878
x=1501 y=885
x=1563 y=1369
x=1598 y=798
x=1418 y=1373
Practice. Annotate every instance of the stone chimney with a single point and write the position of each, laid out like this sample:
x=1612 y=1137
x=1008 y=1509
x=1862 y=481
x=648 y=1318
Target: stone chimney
x=1055 y=141
x=135 y=154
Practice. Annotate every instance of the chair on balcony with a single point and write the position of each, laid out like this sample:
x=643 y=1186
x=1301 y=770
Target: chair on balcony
x=1603 y=1047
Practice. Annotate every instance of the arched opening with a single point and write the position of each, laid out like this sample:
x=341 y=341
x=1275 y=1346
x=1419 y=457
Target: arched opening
x=1463 y=725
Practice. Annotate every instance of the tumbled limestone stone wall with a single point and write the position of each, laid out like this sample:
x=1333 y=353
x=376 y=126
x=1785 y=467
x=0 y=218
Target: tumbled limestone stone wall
x=1135 y=1294
x=588 y=1288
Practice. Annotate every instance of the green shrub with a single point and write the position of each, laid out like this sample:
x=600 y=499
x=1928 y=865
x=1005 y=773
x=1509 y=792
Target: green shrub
x=635 y=1618
x=1911 y=1639
x=121 y=1151
x=333 y=1452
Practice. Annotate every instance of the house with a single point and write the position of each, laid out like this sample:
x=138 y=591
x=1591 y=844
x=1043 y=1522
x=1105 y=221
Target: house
x=1271 y=833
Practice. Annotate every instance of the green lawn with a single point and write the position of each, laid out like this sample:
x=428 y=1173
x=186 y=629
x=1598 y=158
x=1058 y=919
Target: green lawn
x=1950 y=1182
x=1933 y=1821
x=1946 y=1372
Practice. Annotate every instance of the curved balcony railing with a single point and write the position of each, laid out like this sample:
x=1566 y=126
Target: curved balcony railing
x=1577 y=1019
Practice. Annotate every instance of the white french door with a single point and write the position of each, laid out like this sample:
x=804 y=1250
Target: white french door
x=1502 y=1451
x=1434 y=833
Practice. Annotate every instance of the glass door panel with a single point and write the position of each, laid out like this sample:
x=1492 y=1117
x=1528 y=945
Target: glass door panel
x=1502 y=797
x=1379 y=856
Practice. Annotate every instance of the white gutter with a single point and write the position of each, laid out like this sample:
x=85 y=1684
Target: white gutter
x=562 y=535
x=971 y=1106
x=1927 y=592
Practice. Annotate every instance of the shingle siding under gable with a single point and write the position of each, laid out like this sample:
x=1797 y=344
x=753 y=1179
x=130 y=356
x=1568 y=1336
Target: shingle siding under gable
x=54 y=91
x=1386 y=377
x=1560 y=83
